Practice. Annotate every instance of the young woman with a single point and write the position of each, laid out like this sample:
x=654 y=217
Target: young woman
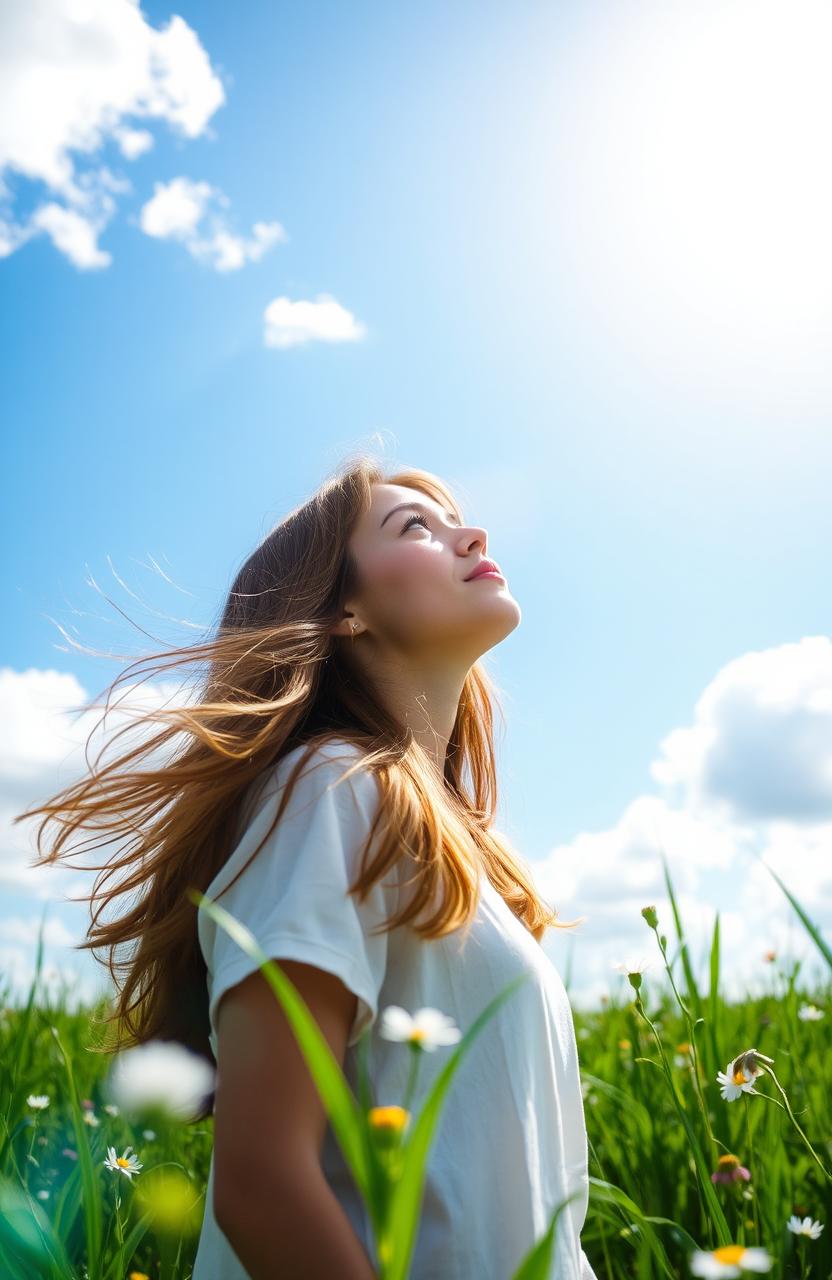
x=336 y=793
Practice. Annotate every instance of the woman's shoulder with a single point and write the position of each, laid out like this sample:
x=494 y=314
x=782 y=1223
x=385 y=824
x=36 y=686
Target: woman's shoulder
x=317 y=766
x=333 y=754
x=334 y=747
x=328 y=760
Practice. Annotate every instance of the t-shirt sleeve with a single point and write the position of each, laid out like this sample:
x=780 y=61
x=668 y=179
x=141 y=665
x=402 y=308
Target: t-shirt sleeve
x=293 y=895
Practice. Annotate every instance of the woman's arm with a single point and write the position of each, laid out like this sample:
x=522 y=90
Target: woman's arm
x=284 y=1230
x=271 y=1198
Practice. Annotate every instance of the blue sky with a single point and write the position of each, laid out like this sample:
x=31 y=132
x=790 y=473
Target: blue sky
x=575 y=259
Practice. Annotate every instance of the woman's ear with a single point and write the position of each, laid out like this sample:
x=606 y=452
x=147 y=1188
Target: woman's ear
x=347 y=626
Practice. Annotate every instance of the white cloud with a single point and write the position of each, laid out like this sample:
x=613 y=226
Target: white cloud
x=79 y=984
x=47 y=727
x=72 y=76
x=77 y=75
x=73 y=228
x=133 y=142
x=748 y=785
x=75 y=235
x=26 y=930
x=12 y=236
x=35 y=707
x=760 y=746
x=623 y=862
x=289 y=324
x=177 y=210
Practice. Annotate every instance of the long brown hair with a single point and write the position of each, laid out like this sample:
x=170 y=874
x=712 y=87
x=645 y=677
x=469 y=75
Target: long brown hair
x=274 y=678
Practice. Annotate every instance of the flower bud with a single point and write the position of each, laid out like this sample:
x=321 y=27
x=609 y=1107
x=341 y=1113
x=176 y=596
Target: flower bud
x=387 y=1125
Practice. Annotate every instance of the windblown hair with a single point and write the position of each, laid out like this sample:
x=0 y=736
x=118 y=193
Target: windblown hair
x=274 y=677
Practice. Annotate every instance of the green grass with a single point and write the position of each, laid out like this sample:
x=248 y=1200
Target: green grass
x=655 y=1118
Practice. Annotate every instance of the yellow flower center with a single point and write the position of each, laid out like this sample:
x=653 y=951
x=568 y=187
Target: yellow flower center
x=125 y=1164
x=729 y=1253
x=739 y=1077
x=729 y=1160
x=417 y=1034
x=391 y=1117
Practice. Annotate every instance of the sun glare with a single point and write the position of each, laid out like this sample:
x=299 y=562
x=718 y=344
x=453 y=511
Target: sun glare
x=696 y=195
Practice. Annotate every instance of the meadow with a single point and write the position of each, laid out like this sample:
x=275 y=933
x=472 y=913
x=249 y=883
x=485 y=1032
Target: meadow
x=709 y=1132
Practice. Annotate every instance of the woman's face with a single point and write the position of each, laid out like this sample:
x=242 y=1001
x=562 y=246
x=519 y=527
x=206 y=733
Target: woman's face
x=413 y=598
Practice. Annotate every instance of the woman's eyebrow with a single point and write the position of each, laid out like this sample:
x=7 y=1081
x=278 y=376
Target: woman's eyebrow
x=415 y=506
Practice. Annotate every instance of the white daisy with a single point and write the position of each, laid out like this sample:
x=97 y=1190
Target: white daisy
x=126 y=1164
x=729 y=1260
x=632 y=964
x=91 y=1118
x=38 y=1101
x=428 y=1028
x=809 y=1013
x=111 y=1109
x=740 y=1074
x=805 y=1228
x=164 y=1074
x=734 y=1083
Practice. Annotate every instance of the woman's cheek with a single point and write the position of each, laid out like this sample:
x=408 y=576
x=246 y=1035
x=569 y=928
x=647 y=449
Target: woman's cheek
x=407 y=566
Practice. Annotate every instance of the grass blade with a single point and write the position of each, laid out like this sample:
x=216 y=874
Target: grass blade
x=811 y=929
x=396 y=1249
x=348 y=1124
x=537 y=1264
x=89 y=1180
x=25 y=1228
x=690 y=979
x=713 y=1041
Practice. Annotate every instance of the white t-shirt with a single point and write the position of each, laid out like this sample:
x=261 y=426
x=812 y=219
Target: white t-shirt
x=511 y=1140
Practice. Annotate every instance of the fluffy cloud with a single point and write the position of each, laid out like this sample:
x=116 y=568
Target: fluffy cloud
x=747 y=785
x=288 y=323
x=189 y=212
x=78 y=75
x=760 y=746
x=133 y=142
x=26 y=930
x=73 y=75
x=48 y=728
x=65 y=983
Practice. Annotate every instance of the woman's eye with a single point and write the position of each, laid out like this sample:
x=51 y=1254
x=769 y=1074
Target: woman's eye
x=415 y=520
